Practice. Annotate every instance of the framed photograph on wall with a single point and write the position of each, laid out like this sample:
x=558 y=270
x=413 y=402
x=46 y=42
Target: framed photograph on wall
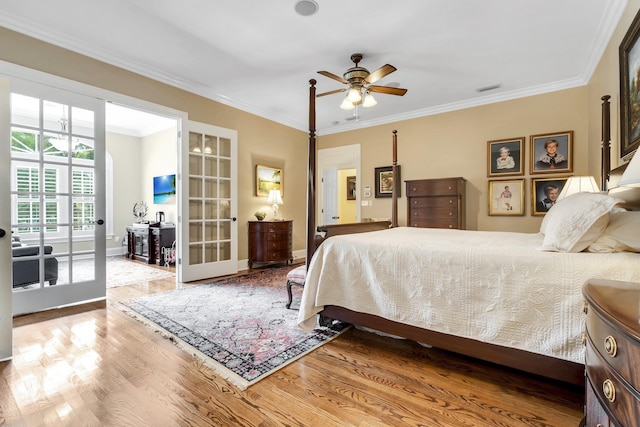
x=544 y=193
x=164 y=189
x=552 y=152
x=505 y=157
x=383 y=177
x=629 y=53
x=268 y=178
x=351 y=188
x=506 y=197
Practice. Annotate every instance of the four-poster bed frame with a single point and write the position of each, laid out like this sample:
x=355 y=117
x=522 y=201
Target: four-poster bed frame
x=547 y=366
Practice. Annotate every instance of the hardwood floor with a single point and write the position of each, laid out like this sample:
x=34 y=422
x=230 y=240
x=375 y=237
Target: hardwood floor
x=93 y=365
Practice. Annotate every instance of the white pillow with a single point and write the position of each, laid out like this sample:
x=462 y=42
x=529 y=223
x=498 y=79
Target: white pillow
x=576 y=221
x=621 y=235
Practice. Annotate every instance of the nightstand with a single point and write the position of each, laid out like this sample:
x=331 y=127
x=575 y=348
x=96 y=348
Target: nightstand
x=270 y=242
x=612 y=353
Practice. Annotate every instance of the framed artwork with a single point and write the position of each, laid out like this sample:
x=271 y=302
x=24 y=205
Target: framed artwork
x=351 y=188
x=164 y=190
x=505 y=157
x=268 y=178
x=506 y=197
x=544 y=193
x=552 y=152
x=384 y=181
x=629 y=53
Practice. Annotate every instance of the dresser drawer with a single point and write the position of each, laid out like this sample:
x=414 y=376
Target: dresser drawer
x=427 y=187
x=446 y=213
x=621 y=401
x=434 y=223
x=434 y=202
x=276 y=236
x=615 y=347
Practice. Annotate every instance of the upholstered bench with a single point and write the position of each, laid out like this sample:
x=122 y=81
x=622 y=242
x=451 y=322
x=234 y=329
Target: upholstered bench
x=295 y=277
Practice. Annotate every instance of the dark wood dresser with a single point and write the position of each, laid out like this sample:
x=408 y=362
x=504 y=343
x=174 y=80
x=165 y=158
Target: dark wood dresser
x=436 y=203
x=145 y=243
x=270 y=241
x=612 y=353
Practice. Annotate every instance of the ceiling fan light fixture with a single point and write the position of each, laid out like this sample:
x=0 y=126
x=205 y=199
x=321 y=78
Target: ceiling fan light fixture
x=369 y=101
x=346 y=104
x=354 y=95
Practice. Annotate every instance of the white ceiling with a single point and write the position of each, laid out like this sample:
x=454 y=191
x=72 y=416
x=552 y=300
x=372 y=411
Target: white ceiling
x=259 y=55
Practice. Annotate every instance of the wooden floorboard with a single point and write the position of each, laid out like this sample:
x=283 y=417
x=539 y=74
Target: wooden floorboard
x=94 y=365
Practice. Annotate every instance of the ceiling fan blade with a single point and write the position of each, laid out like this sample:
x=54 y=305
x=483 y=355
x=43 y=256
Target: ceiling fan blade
x=380 y=73
x=333 y=76
x=331 y=92
x=388 y=90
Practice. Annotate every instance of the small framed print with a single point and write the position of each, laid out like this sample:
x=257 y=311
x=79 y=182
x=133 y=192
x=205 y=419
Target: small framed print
x=384 y=181
x=506 y=197
x=552 y=152
x=545 y=192
x=268 y=178
x=351 y=188
x=505 y=157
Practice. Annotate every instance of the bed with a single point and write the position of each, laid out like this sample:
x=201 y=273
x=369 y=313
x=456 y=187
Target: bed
x=508 y=298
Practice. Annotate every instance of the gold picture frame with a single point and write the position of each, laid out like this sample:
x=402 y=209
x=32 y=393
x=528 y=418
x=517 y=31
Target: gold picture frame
x=505 y=157
x=268 y=178
x=544 y=193
x=506 y=197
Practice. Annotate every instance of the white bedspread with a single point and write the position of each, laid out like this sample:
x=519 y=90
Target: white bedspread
x=494 y=287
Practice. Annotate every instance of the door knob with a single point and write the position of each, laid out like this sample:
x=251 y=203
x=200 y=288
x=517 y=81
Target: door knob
x=2 y=233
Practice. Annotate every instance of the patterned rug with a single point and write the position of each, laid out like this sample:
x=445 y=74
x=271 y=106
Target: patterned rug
x=238 y=326
x=121 y=272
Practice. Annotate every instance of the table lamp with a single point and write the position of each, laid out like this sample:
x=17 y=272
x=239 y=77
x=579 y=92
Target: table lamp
x=276 y=199
x=579 y=184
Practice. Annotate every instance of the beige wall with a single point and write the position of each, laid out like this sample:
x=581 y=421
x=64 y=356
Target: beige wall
x=259 y=140
x=449 y=144
x=126 y=154
x=455 y=144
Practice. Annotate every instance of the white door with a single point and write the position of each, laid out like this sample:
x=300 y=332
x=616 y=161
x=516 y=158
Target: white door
x=208 y=203
x=346 y=157
x=6 y=317
x=330 y=196
x=57 y=197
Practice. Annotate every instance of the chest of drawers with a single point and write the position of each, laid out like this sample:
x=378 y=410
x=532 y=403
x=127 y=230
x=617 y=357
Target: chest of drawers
x=436 y=203
x=270 y=241
x=612 y=353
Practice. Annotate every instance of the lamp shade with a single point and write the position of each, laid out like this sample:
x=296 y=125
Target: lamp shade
x=631 y=175
x=275 y=197
x=579 y=184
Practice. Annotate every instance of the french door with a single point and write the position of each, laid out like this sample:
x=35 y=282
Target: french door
x=57 y=190
x=6 y=317
x=208 y=203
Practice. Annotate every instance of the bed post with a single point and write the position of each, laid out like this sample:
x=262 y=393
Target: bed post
x=606 y=144
x=394 y=187
x=311 y=173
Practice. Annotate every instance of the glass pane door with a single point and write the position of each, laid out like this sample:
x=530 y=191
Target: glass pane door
x=57 y=197
x=209 y=224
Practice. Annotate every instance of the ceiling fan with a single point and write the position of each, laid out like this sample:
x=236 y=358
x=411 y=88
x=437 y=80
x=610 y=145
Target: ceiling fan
x=359 y=84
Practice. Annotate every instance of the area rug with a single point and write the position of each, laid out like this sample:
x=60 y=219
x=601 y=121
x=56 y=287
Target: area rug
x=238 y=326
x=121 y=272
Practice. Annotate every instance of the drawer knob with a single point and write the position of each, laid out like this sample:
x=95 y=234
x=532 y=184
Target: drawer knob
x=450 y=201
x=450 y=226
x=450 y=213
x=414 y=189
x=610 y=346
x=609 y=390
